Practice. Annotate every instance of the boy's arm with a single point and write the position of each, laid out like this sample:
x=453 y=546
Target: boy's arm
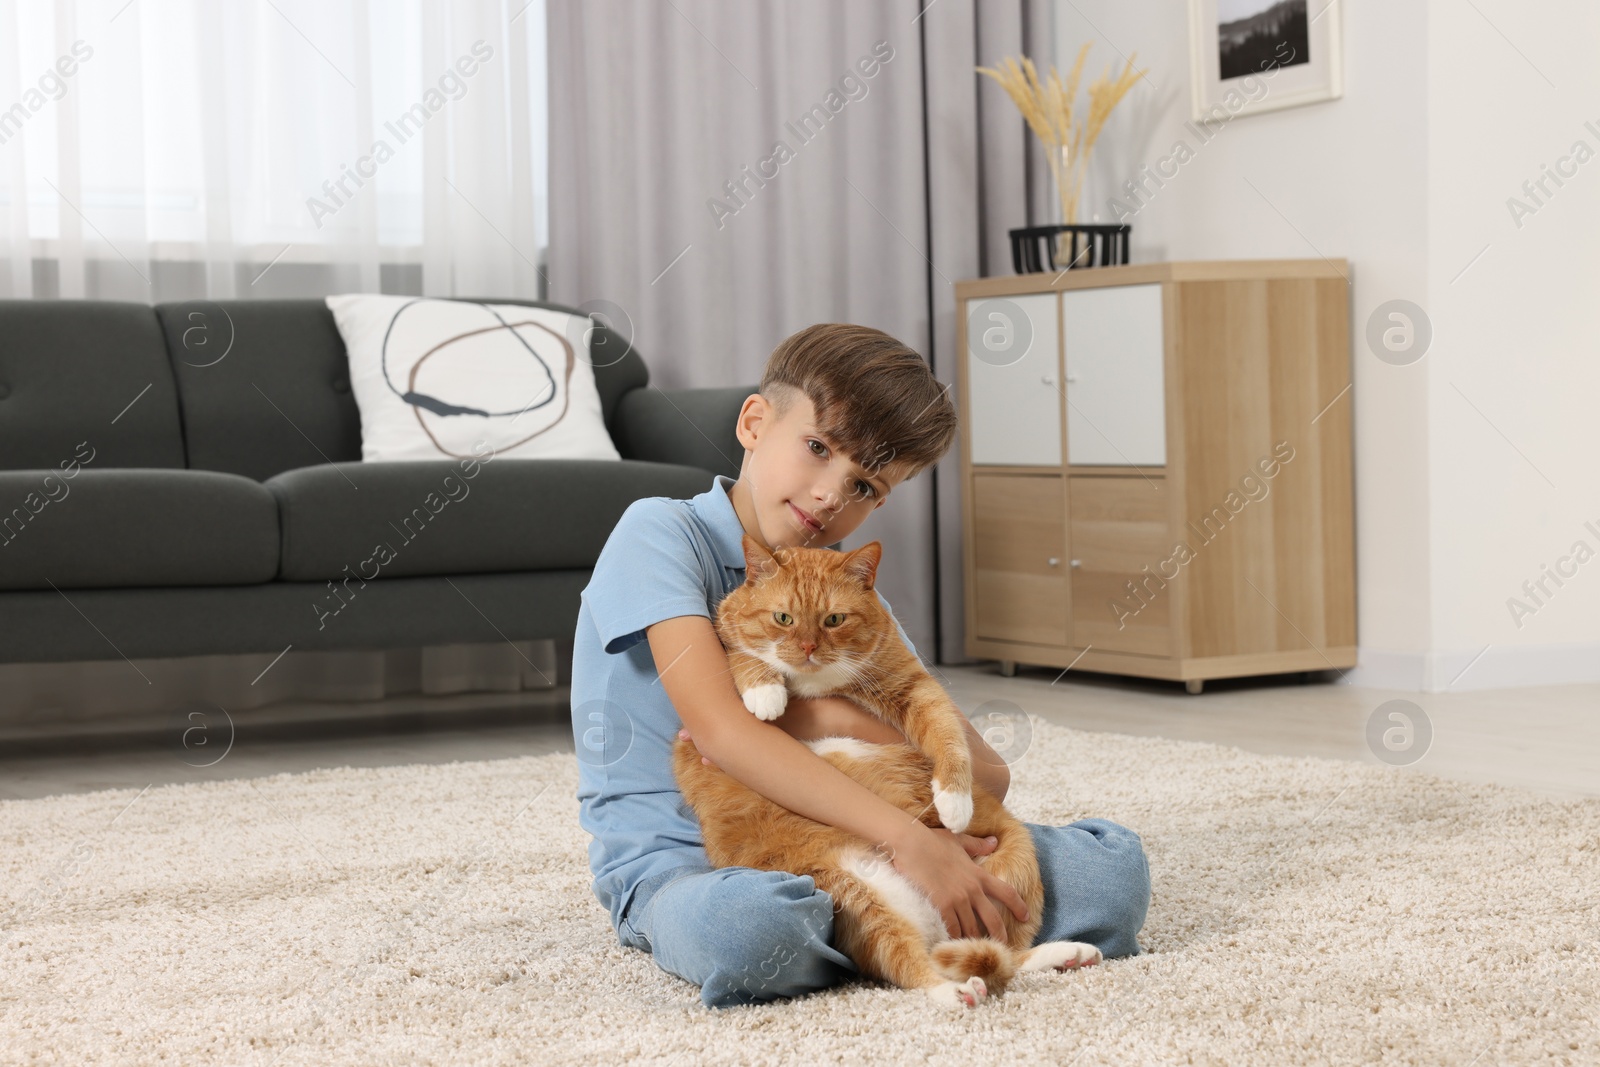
x=693 y=669
x=988 y=766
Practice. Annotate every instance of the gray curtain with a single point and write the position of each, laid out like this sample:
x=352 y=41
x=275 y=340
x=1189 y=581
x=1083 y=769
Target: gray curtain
x=692 y=200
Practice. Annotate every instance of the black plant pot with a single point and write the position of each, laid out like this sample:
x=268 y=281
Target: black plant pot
x=1091 y=245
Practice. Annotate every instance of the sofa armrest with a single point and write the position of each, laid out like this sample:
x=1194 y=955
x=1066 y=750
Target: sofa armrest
x=693 y=427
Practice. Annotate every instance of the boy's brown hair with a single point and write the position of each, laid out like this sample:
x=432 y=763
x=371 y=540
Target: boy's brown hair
x=875 y=399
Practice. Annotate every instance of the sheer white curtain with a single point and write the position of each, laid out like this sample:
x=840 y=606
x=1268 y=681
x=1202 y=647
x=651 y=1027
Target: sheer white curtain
x=173 y=149
x=176 y=149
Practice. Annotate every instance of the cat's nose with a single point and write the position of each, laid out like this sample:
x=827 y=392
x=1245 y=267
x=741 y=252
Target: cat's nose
x=808 y=646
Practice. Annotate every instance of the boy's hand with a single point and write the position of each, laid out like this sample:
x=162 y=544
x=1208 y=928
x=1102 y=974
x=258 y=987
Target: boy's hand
x=964 y=893
x=974 y=846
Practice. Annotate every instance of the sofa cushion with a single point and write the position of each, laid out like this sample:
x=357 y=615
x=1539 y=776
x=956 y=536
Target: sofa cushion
x=432 y=377
x=85 y=377
x=618 y=367
x=429 y=517
x=134 y=527
x=264 y=385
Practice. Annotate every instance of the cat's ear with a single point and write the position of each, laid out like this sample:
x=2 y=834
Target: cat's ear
x=759 y=564
x=863 y=563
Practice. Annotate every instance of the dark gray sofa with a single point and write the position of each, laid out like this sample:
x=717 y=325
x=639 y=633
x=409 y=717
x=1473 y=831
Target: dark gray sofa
x=221 y=505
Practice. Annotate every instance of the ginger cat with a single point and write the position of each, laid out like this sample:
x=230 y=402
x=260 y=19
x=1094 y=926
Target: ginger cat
x=807 y=622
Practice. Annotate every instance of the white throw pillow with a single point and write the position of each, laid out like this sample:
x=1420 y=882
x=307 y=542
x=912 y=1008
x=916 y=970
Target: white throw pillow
x=433 y=377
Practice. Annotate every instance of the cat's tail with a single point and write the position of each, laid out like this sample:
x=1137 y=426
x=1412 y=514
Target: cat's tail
x=993 y=961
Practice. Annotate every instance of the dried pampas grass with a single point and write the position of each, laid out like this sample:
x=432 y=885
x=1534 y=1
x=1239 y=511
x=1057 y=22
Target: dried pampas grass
x=1047 y=107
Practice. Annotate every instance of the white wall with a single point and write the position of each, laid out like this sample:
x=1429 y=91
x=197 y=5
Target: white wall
x=1516 y=336
x=1406 y=176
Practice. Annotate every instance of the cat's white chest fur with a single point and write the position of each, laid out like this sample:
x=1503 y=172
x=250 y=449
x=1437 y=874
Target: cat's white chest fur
x=766 y=702
x=819 y=683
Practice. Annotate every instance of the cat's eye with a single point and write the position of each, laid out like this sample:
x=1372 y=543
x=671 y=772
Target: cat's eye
x=783 y=617
x=834 y=620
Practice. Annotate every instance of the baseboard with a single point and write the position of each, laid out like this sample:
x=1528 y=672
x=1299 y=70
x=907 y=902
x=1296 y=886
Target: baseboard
x=1382 y=669
x=1496 y=667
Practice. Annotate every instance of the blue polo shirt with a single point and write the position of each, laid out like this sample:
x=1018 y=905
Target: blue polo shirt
x=665 y=558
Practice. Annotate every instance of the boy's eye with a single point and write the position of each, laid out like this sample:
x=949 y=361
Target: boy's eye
x=834 y=620
x=814 y=445
x=783 y=617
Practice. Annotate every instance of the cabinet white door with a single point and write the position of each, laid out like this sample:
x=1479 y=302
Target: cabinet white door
x=1013 y=380
x=1116 y=409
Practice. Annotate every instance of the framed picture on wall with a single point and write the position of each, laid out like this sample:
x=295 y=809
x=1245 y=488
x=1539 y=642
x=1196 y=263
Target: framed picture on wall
x=1247 y=56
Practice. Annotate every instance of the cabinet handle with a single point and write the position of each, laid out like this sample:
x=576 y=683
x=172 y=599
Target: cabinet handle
x=1071 y=378
x=1049 y=379
x=1076 y=563
x=1054 y=561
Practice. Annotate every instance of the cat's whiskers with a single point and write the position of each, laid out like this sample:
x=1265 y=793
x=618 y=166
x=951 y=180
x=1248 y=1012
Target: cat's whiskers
x=862 y=675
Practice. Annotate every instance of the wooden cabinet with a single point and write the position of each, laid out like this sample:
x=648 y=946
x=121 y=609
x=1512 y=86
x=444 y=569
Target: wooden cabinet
x=1014 y=407
x=1019 y=565
x=1156 y=468
x=1116 y=403
x=1118 y=527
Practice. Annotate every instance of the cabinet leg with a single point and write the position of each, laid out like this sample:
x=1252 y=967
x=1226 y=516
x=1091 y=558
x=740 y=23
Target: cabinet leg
x=1008 y=668
x=1194 y=685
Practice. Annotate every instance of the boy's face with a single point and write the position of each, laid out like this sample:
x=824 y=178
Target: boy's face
x=791 y=472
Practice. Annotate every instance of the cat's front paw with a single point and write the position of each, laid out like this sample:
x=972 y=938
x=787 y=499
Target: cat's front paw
x=766 y=702
x=954 y=807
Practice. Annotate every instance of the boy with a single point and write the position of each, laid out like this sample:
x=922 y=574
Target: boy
x=843 y=415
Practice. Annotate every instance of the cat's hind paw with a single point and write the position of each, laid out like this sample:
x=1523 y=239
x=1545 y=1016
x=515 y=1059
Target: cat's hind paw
x=968 y=994
x=1061 y=956
x=766 y=702
x=954 y=807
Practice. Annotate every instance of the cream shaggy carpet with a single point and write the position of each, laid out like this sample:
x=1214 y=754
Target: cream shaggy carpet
x=1305 y=911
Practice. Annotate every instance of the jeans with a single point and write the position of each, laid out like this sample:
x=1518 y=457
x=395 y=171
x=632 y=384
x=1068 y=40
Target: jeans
x=745 y=935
